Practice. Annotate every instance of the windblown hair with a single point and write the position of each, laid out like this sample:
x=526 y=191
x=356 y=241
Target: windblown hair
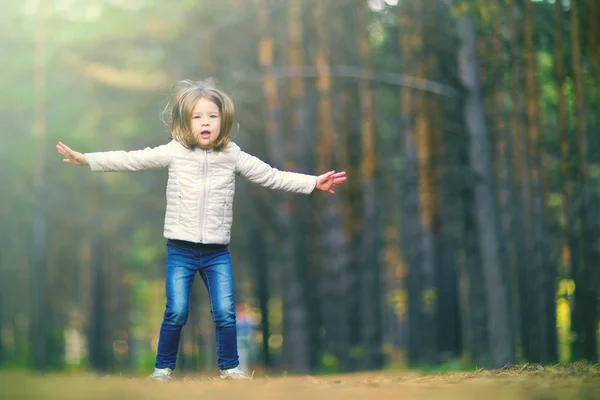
x=186 y=94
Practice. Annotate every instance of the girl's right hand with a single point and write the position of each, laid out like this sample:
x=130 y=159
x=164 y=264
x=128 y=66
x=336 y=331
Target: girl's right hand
x=72 y=156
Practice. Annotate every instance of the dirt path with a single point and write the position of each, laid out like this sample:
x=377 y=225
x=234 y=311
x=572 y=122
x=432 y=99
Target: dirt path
x=517 y=383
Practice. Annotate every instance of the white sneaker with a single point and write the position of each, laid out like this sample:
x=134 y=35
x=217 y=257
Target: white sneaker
x=234 y=373
x=162 y=374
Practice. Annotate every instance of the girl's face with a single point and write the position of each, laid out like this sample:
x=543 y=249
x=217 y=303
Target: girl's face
x=206 y=122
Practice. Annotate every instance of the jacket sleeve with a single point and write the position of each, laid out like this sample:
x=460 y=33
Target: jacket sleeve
x=137 y=160
x=259 y=172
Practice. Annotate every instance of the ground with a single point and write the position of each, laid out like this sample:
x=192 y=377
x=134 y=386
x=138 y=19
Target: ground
x=576 y=381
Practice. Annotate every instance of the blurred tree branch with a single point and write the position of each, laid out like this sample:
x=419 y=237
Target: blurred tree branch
x=118 y=77
x=350 y=71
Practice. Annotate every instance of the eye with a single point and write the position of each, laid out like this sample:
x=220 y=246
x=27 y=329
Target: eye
x=214 y=116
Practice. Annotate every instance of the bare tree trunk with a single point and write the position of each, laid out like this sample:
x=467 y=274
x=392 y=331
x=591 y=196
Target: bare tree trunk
x=541 y=273
x=569 y=237
x=411 y=231
x=371 y=276
x=561 y=125
x=420 y=316
x=2 y=313
x=593 y=32
x=447 y=200
x=502 y=151
x=448 y=176
x=260 y=260
x=428 y=201
x=485 y=209
x=521 y=191
x=349 y=139
x=334 y=289
x=38 y=271
x=98 y=329
x=593 y=49
x=295 y=327
x=585 y=307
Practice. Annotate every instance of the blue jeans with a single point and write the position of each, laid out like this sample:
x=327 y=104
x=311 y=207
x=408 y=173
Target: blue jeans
x=213 y=262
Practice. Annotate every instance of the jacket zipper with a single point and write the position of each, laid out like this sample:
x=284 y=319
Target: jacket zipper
x=203 y=198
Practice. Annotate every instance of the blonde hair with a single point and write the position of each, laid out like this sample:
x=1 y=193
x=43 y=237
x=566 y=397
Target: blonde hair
x=186 y=94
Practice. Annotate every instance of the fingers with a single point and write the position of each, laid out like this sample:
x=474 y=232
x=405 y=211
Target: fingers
x=64 y=150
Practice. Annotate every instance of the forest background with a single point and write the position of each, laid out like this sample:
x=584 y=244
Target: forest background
x=467 y=233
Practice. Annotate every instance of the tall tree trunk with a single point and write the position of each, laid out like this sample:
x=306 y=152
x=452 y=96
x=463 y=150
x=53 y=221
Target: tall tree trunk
x=295 y=354
x=38 y=271
x=2 y=315
x=569 y=237
x=427 y=134
x=371 y=308
x=521 y=190
x=561 y=125
x=485 y=208
x=541 y=272
x=502 y=151
x=350 y=133
x=446 y=156
x=301 y=147
x=334 y=280
x=98 y=329
x=410 y=202
x=593 y=50
x=260 y=261
x=420 y=336
x=585 y=307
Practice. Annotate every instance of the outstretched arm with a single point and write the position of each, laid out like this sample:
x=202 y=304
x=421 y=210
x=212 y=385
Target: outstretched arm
x=257 y=171
x=138 y=160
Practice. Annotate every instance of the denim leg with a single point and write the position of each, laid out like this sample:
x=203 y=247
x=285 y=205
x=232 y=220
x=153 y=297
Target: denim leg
x=180 y=270
x=217 y=276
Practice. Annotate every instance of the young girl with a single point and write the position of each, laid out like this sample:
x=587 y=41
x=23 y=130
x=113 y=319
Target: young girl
x=202 y=165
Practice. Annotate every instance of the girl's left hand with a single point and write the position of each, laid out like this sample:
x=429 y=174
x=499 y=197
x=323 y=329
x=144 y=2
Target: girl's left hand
x=329 y=180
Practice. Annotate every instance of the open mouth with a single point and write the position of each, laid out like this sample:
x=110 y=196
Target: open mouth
x=205 y=134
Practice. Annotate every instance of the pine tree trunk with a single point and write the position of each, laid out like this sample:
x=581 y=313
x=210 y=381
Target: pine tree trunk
x=418 y=205
x=448 y=176
x=333 y=257
x=411 y=228
x=97 y=322
x=585 y=307
x=569 y=238
x=371 y=308
x=261 y=262
x=347 y=103
x=504 y=172
x=501 y=351
x=295 y=355
x=300 y=145
x=2 y=314
x=428 y=200
x=593 y=49
x=542 y=271
x=38 y=272
x=411 y=233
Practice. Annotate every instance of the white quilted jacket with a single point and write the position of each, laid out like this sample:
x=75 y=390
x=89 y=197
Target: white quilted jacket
x=201 y=185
